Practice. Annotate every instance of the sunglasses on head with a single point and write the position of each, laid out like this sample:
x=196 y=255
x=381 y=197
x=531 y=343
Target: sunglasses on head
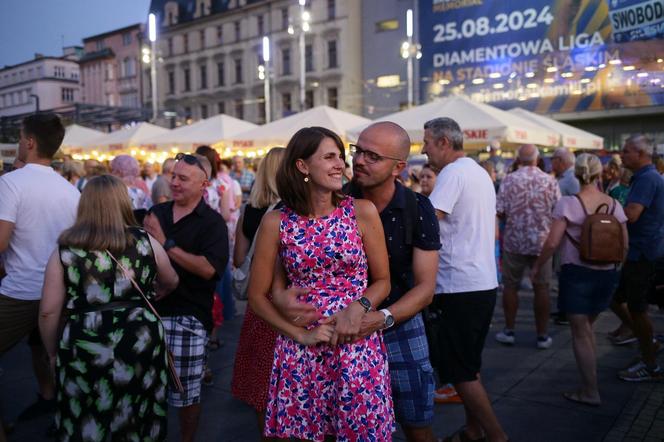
x=191 y=160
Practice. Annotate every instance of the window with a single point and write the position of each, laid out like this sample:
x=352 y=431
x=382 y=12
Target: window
x=285 y=61
x=387 y=25
x=185 y=43
x=187 y=80
x=308 y=99
x=108 y=71
x=260 y=25
x=333 y=97
x=171 y=82
x=99 y=44
x=238 y=70
x=126 y=39
x=201 y=38
x=286 y=103
x=203 y=70
x=332 y=54
x=58 y=71
x=204 y=111
x=221 y=107
x=309 y=58
x=169 y=44
x=67 y=95
x=221 y=74
x=284 y=18
x=220 y=34
x=239 y=108
x=187 y=112
x=128 y=67
x=237 y=30
x=331 y=9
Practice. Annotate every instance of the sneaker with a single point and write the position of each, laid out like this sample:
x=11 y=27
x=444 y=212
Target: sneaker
x=39 y=408
x=544 y=342
x=447 y=395
x=627 y=338
x=506 y=337
x=640 y=373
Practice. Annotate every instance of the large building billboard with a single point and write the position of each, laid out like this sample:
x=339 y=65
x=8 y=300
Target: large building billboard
x=549 y=56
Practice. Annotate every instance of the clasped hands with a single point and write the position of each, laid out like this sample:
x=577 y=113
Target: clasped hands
x=344 y=327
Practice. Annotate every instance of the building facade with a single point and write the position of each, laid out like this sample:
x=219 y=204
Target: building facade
x=110 y=68
x=44 y=83
x=384 y=71
x=210 y=52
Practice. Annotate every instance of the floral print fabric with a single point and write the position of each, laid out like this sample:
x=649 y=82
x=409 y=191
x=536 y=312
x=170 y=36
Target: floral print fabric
x=111 y=366
x=527 y=198
x=341 y=391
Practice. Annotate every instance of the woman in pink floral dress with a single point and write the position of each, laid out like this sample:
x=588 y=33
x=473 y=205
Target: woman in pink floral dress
x=328 y=379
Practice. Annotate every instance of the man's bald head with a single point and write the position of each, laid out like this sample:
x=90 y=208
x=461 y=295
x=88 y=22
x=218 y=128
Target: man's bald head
x=528 y=154
x=390 y=134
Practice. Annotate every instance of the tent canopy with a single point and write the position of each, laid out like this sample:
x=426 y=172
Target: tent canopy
x=570 y=136
x=210 y=131
x=78 y=136
x=480 y=123
x=279 y=132
x=133 y=136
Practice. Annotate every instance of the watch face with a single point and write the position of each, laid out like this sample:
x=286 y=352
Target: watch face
x=389 y=321
x=365 y=303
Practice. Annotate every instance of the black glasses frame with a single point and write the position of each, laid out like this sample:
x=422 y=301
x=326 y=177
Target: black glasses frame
x=371 y=157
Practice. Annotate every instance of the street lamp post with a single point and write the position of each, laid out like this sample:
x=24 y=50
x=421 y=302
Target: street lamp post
x=410 y=51
x=266 y=84
x=305 y=17
x=152 y=35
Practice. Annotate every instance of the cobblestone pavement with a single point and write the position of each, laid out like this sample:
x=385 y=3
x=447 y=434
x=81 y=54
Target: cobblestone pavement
x=525 y=386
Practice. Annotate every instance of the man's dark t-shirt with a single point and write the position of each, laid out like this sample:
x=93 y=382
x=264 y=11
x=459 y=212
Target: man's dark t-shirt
x=203 y=232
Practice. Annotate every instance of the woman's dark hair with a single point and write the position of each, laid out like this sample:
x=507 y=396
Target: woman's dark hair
x=293 y=190
x=212 y=156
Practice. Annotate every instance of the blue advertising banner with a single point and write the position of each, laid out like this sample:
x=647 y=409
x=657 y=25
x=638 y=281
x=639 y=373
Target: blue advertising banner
x=545 y=55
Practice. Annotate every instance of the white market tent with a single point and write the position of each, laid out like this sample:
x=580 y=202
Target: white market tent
x=133 y=137
x=279 y=132
x=78 y=136
x=570 y=136
x=211 y=131
x=8 y=153
x=480 y=123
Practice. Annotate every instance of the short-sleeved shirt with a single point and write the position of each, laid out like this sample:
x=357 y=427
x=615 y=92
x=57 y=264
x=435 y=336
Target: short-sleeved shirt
x=569 y=208
x=527 y=198
x=465 y=193
x=203 y=232
x=646 y=235
x=569 y=184
x=246 y=180
x=425 y=236
x=41 y=204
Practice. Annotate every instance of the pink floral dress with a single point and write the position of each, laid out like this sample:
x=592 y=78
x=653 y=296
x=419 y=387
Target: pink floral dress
x=341 y=391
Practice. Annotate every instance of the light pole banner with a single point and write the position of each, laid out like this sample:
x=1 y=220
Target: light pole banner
x=544 y=55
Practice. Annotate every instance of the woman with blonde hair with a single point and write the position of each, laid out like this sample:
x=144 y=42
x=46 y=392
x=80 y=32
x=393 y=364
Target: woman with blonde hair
x=253 y=359
x=585 y=289
x=110 y=360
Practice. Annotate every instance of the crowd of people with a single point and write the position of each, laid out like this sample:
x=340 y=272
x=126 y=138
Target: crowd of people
x=367 y=300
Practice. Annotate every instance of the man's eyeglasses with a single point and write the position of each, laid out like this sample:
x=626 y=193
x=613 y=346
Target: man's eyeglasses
x=369 y=156
x=191 y=160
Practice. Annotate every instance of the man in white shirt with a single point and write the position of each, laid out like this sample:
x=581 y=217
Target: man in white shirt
x=465 y=202
x=36 y=205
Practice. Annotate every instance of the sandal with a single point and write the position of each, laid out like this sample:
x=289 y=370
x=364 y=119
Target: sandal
x=575 y=396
